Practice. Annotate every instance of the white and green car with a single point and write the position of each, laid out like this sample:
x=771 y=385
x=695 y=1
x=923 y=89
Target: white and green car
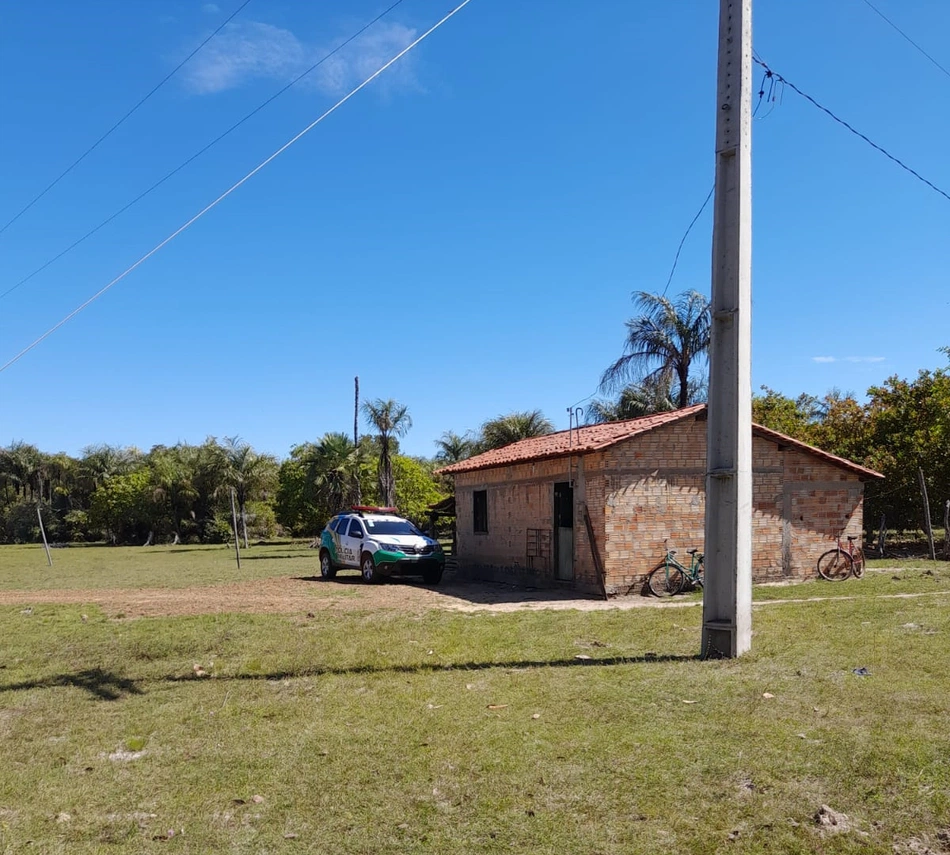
x=378 y=543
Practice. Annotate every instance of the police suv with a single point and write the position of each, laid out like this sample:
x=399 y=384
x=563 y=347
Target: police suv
x=379 y=543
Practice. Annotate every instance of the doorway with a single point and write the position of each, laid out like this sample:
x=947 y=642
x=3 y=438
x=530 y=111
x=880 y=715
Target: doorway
x=564 y=532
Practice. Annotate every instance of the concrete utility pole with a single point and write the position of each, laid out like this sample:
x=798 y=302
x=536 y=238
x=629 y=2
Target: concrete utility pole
x=727 y=598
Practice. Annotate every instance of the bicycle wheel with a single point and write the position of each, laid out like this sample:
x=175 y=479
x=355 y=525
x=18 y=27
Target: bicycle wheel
x=665 y=584
x=835 y=565
x=857 y=562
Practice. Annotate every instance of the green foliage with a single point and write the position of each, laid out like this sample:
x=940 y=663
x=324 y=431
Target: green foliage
x=248 y=474
x=634 y=401
x=295 y=503
x=416 y=488
x=123 y=507
x=795 y=417
x=20 y=524
x=504 y=430
x=910 y=429
x=452 y=448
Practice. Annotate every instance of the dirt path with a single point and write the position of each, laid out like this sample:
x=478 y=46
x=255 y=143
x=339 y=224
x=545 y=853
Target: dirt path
x=299 y=595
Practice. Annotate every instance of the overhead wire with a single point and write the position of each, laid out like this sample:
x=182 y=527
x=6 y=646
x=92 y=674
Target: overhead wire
x=198 y=153
x=786 y=82
x=231 y=189
x=109 y=132
x=907 y=37
x=689 y=228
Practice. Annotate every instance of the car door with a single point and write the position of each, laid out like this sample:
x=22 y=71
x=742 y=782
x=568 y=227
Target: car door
x=352 y=543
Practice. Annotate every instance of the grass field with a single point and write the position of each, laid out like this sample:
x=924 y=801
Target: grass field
x=24 y=568
x=385 y=731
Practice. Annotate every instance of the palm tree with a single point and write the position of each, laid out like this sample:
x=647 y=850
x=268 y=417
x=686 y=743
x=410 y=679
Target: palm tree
x=635 y=401
x=453 y=448
x=22 y=465
x=333 y=470
x=663 y=342
x=100 y=462
x=173 y=472
x=505 y=430
x=391 y=420
x=248 y=473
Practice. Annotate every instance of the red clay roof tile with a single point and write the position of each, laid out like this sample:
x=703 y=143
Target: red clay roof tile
x=596 y=437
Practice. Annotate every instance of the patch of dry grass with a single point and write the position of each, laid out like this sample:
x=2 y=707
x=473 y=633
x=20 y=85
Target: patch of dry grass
x=474 y=732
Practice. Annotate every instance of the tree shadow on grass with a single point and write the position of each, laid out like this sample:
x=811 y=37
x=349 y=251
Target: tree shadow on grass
x=245 y=557
x=102 y=685
x=106 y=686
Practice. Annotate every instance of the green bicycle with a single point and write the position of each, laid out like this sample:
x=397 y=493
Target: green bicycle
x=671 y=577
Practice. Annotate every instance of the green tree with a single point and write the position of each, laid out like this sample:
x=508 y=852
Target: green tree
x=173 y=473
x=22 y=465
x=416 y=488
x=910 y=429
x=663 y=343
x=391 y=421
x=795 y=417
x=334 y=472
x=122 y=506
x=634 y=401
x=843 y=426
x=295 y=504
x=452 y=448
x=504 y=430
x=248 y=473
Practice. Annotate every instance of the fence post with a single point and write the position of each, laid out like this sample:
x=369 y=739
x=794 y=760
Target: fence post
x=927 y=527
x=39 y=516
x=237 y=546
x=946 y=530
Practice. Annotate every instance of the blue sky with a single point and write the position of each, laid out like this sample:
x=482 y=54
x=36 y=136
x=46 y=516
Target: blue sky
x=465 y=233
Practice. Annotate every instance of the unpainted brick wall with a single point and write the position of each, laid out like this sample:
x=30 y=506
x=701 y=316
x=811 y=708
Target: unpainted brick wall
x=521 y=497
x=648 y=492
x=656 y=496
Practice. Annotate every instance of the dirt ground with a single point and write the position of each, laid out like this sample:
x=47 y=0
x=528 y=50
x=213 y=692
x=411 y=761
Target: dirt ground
x=296 y=595
x=308 y=594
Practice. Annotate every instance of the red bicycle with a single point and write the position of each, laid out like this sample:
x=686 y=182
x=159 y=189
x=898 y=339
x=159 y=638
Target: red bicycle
x=839 y=563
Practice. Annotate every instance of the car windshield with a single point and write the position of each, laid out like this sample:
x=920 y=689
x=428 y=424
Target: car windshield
x=391 y=527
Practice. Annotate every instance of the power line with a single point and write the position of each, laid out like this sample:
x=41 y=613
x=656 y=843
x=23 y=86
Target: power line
x=907 y=37
x=95 y=145
x=689 y=228
x=197 y=154
x=853 y=130
x=232 y=188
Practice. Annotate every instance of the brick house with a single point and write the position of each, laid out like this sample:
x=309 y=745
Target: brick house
x=550 y=510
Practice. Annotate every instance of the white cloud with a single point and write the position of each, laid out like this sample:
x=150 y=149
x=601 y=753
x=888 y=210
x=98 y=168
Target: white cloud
x=358 y=60
x=848 y=359
x=242 y=52
x=211 y=8
x=250 y=50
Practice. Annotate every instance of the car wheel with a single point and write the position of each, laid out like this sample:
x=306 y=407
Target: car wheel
x=368 y=569
x=432 y=576
x=327 y=570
